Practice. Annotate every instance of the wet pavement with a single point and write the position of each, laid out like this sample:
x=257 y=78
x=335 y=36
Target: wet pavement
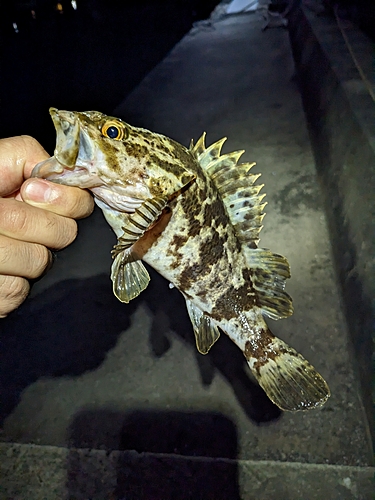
x=82 y=370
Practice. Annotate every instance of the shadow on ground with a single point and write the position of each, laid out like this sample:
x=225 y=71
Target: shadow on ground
x=68 y=329
x=148 y=476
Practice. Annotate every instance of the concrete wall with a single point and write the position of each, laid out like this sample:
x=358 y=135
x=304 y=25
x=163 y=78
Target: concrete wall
x=340 y=111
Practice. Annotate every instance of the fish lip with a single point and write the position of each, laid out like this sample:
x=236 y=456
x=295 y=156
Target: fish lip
x=59 y=115
x=53 y=170
x=48 y=168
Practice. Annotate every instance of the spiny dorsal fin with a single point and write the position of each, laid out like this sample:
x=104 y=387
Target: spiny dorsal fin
x=245 y=208
x=206 y=332
x=235 y=185
x=198 y=148
x=206 y=155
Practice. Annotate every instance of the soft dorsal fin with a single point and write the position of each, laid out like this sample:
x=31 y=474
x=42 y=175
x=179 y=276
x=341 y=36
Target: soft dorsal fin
x=236 y=187
x=270 y=271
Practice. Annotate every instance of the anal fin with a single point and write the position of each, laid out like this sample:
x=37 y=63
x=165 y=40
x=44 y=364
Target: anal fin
x=288 y=379
x=129 y=277
x=205 y=331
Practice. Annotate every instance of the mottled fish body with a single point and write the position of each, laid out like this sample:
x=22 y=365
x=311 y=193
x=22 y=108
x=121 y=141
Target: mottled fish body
x=194 y=215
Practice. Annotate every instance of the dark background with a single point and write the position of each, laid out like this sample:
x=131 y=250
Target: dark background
x=89 y=58
x=92 y=57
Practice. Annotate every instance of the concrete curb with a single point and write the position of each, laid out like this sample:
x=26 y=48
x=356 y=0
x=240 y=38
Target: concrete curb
x=341 y=117
x=46 y=472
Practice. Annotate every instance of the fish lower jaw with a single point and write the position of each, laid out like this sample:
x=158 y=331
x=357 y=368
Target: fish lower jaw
x=76 y=176
x=48 y=168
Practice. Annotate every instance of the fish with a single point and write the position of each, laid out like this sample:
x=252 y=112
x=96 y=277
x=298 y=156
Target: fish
x=194 y=215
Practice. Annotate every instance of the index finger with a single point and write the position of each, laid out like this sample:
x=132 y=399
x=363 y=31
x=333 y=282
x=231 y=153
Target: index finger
x=18 y=156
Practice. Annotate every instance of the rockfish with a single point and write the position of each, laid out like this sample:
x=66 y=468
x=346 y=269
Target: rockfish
x=194 y=215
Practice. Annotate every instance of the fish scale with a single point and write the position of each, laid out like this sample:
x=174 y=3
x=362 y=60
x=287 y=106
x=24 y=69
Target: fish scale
x=195 y=216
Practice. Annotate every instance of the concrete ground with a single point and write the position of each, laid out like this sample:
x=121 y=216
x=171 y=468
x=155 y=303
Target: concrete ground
x=84 y=371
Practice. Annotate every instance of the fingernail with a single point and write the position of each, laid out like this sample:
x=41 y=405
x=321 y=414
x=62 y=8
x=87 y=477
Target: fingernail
x=39 y=191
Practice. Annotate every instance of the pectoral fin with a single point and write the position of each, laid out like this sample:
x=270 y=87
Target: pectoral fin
x=129 y=277
x=138 y=223
x=206 y=332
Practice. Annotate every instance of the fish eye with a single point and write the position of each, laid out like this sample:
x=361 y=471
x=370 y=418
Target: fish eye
x=114 y=130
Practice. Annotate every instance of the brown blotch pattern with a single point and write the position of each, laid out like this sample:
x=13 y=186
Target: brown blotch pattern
x=243 y=298
x=218 y=213
x=192 y=211
x=176 y=244
x=185 y=156
x=249 y=215
x=263 y=349
x=212 y=250
x=258 y=348
x=135 y=150
x=209 y=253
x=111 y=150
x=192 y=274
x=167 y=164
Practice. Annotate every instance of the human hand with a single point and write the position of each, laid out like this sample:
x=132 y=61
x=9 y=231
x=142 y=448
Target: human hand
x=35 y=215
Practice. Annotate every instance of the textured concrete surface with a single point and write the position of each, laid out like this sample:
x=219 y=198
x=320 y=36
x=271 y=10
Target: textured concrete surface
x=84 y=371
x=51 y=473
x=335 y=69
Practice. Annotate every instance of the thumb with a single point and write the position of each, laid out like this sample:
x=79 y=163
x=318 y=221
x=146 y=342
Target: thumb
x=39 y=192
x=62 y=200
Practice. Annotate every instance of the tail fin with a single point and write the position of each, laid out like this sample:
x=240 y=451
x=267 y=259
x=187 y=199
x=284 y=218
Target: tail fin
x=285 y=375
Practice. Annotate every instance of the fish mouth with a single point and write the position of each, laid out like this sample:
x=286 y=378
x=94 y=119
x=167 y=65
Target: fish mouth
x=76 y=176
x=74 y=163
x=73 y=155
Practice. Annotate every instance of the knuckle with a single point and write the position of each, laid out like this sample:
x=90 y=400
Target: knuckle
x=61 y=230
x=23 y=259
x=84 y=205
x=40 y=257
x=30 y=142
x=66 y=233
x=13 y=291
x=78 y=204
x=13 y=217
x=6 y=253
